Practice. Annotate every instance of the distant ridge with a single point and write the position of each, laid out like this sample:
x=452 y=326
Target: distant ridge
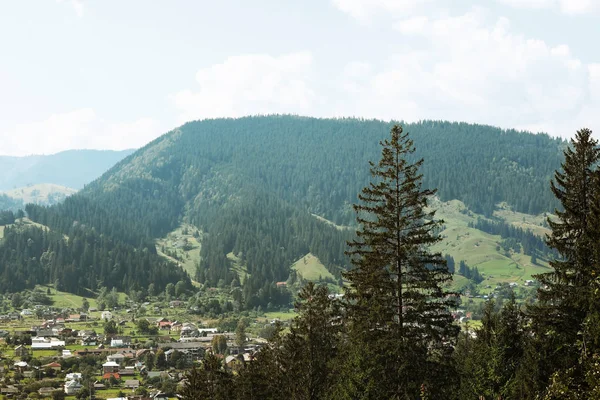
x=71 y=168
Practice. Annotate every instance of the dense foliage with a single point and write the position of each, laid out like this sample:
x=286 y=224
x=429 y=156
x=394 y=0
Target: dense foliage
x=547 y=351
x=85 y=260
x=254 y=185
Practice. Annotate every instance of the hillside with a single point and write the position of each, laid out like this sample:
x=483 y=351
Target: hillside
x=43 y=194
x=267 y=191
x=72 y=168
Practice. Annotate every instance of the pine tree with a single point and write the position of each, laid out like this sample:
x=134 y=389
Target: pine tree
x=566 y=296
x=209 y=382
x=311 y=345
x=400 y=327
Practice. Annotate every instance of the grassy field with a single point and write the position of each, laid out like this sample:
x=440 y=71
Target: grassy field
x=283 y=316
x=482 y=250
x=182 y=243
x=534 y=223
x=69 y=300
x=311 y=268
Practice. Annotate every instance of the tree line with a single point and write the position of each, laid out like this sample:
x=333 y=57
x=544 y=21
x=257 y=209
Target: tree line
x=392 y=335
x=82 y=261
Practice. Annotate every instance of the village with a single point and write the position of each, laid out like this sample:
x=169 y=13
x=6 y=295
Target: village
x=69 y=354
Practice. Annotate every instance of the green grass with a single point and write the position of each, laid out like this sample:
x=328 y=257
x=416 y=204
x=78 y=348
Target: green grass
x=534 y=223
x=184 y=245
x=482 y=250
x=238 y=267
x=311 y=269
x=67 y=300
x=281 y=315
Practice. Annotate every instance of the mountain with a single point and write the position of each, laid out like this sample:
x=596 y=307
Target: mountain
x=264 y=192
x=72 y=168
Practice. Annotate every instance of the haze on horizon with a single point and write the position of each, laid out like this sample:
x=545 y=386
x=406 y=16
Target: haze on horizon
x=115 y=75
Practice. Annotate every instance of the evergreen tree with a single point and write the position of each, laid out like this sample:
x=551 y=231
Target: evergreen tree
x=240 y=334
x=311 y=346
x=209 y=382
x=400 y=328
x=566 y=297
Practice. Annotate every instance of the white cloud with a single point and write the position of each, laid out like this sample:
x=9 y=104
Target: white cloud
x=474 y=67
x=249 y=84
x=77 y=6
x=570 y=7
x=414 y=25
x=77 y=129
x=363 y=10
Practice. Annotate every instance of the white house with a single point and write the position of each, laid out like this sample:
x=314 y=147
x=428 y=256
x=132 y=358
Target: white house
x=41 y=343
x=75 y=376
x=72 y=387
x=106 y=315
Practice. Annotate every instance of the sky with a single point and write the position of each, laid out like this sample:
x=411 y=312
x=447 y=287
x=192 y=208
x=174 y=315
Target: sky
x=113 y=74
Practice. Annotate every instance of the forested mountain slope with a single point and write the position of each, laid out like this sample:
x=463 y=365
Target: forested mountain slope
x=72 y=168
x=252 y=185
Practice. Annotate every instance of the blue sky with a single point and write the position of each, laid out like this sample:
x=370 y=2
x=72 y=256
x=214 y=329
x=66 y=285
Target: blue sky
x=116 y=74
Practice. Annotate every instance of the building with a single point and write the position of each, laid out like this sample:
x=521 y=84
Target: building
x=42 y=343
x=110 y=367
x=72 y=387
x=21 y=351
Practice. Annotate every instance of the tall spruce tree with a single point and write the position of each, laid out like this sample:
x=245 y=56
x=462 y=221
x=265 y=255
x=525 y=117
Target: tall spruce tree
x=400 y=331
x=310 y=347
x=567 y=298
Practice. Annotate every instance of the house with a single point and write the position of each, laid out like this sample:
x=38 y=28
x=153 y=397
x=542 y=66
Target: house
x=45 y=333
x=21 y=351
x=89 y=341
x=164 y=325
x=26 y=312
x=53 y=365
x=176 y=304
x=66 y=354
x=110 y=367
x=188 y=329
x=72 y=387
x=42 y=343
x=281 y=284
x=109 y=375
x=75 y=376
x=128 y=371
x=234 y=362
x=120 y=341
x=106 y=315
x=10 y=390
x=77 y=318
x=117 y=358
x=176 y=326
x=132 y=384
